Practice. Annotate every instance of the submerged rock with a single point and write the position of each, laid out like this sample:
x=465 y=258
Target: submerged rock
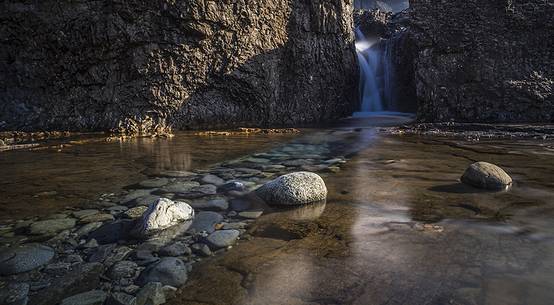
x=161 y=215
x=205 y=221
x=51 y=226
x=153 y=183
x=168 y=271
x=294 y=189
x=486 y=176
x=222 y=238
x=24 y=258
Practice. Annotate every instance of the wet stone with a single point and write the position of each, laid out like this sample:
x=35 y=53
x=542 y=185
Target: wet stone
x=175 y=249
x=86 y=229
x=201 y=249
x=112 y=232
x=117 y=209
x=96 y=218
x=212 y=179
x=232 y=186
x=205 y=222
x=93 y=297
x=135 y=212
x=144 y=257
x=58 y=269
x=84 y=213
x=200 y=191
x=219 y=204
x=146 y=200
x=135 y=195
x=123 y=269
x=222 y=238
x=24 y=258
x=168 y=271
x=234 y=225
x=180 y=187
x=486 y=176
x=175 y=174
x=52 y=226
x=151 y=294
x=239 y=204
x=15 y=294
x=154 y=183
x=161 y=215
x=121 y=298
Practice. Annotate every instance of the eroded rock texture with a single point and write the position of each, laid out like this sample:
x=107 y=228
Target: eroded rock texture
x=484 y=61
x=96 y=65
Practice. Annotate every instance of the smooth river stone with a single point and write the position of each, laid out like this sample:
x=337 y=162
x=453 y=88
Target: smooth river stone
x=212 y=179
x=24 y=258
x=222 y=238
x=51 y=226
x=168 y=271
x=205 y=221
x=154 y=183
x=486 y=176
x=213 y=204
x=180 y=187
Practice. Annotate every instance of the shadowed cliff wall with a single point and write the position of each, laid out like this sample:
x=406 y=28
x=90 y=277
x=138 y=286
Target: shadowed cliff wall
x=484 y=61
x=94 y=65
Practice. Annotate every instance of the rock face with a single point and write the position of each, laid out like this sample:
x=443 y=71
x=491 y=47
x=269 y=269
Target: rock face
x=484 y=61
x=294 y=189
x=138 y=65
x=161 y=215
x=487 y=176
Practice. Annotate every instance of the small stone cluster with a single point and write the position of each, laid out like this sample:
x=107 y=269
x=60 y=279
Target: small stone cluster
x=138 y=246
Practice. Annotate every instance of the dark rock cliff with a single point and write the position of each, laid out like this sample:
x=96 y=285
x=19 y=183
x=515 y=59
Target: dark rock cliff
x=484 y=61
x=97 y=65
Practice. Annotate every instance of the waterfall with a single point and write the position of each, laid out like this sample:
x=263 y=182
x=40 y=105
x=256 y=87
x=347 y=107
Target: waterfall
x=369 y=59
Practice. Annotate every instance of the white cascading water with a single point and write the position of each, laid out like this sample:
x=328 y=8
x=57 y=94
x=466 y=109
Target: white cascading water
x=369 y=58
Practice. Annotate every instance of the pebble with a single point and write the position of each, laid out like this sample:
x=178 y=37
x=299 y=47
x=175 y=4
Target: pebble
x=234 y=225
x=117 y=209
x=232 y=186
x=201 y=249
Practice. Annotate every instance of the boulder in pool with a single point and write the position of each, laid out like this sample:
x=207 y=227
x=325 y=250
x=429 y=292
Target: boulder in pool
x=486 y=176
x=24 y=258
x=163 y=214
x=294 y=189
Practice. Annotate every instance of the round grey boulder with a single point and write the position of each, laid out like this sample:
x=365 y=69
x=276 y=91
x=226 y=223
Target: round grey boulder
x=294 y=189
x=24 y=258
x=486 y=176
x=168 y=271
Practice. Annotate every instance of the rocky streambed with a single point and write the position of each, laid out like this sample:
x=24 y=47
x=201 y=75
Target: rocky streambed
x=137 y=246
x=397 y=224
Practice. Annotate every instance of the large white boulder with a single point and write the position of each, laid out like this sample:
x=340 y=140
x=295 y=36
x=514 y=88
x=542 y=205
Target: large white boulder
x=294 y=189
x=162 y=214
